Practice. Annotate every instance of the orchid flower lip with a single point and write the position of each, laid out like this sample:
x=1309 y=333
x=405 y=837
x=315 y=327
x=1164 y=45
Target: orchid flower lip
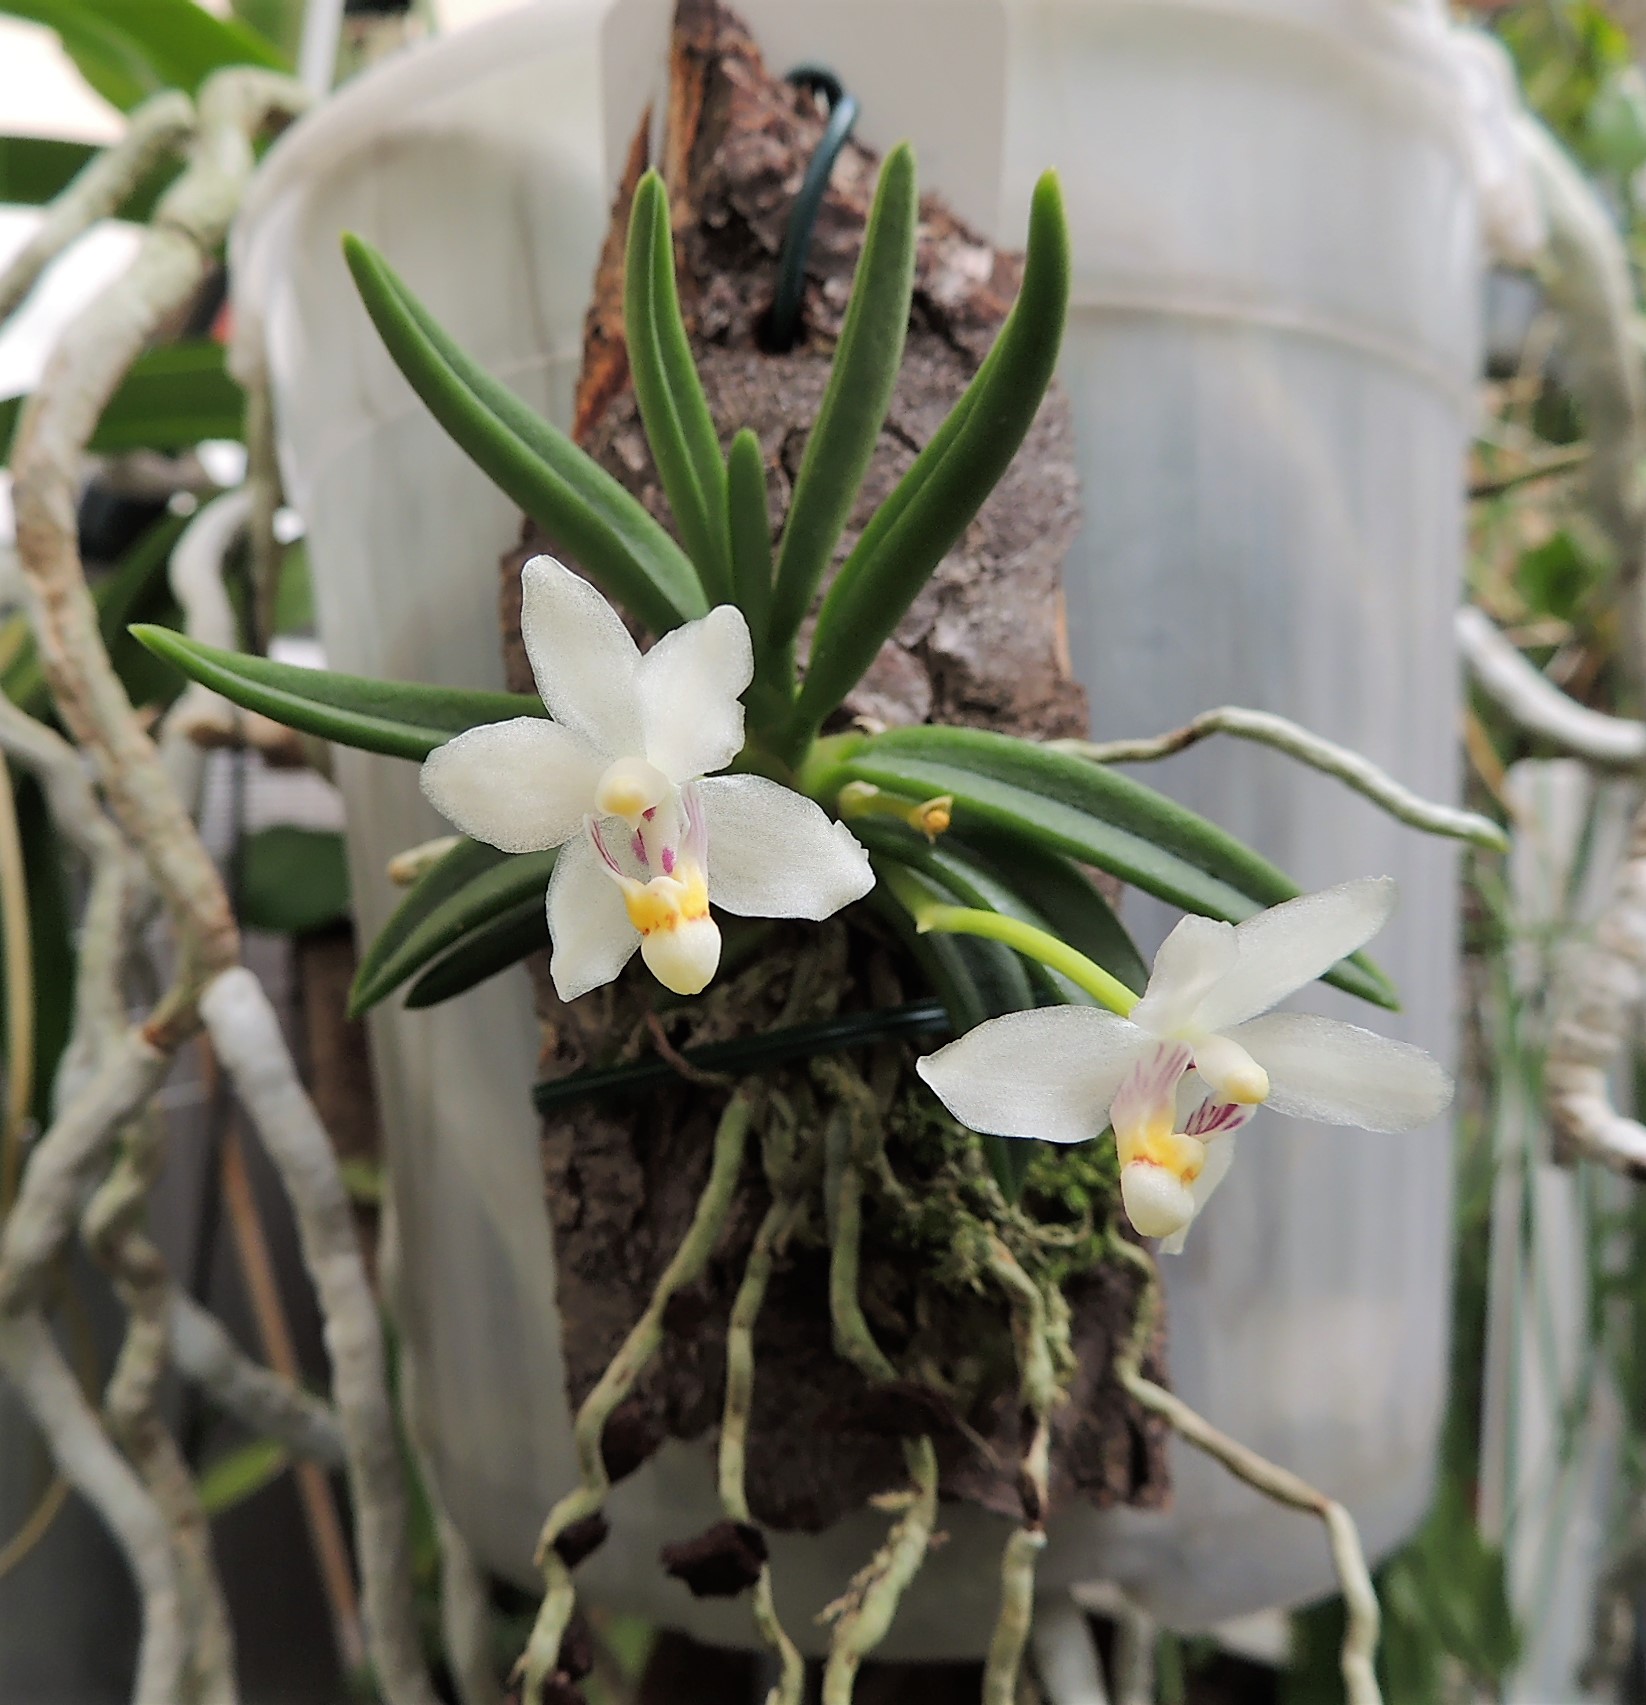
x=623 y=778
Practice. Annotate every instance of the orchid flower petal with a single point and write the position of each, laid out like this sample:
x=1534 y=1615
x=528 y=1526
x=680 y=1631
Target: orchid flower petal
x=585 y=664
x=522 y=785
x=588 y=922
x=690 y=683
x=1290 y=945
x=1050 y=1073
x=1320 y=1068
x=773 y=853
x=1192 y=959
x=1219 y=1158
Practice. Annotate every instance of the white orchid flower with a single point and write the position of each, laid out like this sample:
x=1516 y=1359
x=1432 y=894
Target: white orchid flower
x=1063 y=1073
x=620 y=781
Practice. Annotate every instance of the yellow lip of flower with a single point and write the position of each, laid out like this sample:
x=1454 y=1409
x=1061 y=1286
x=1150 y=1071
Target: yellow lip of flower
x=1175 y=1152
x=666 y=902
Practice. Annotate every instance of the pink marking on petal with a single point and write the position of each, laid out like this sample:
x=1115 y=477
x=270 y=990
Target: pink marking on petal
x=649 y=813
x=668 y=861
x=640 y=847
x=600 y=844
x=695 y=836
x=1151 y=1082
x=1217 y=1118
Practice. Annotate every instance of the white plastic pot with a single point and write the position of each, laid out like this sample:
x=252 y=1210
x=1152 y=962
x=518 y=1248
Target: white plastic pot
x=1272 y=344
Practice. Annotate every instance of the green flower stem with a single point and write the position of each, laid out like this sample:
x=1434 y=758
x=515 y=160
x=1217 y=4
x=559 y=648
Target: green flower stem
x=932 y=916
x=542 y=1654
x=781 y=1218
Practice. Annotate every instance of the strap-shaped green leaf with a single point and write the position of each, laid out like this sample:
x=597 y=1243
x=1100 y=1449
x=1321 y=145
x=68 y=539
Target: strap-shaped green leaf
x=950 y=480
x=173 y=398
x=402 y=719
x=449 y=875
x=470 y=895
x=749 y=528
x=1093 y=815
x=510 y=937
x=606 y=530
x=673 y=409
x=861 y=381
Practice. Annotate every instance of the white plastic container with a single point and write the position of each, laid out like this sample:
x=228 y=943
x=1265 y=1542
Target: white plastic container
x=1272 y=345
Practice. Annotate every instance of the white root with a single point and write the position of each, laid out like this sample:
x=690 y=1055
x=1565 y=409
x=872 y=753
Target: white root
x=88 y=1461
x=1538 y=705
x=1066 y=1661
x=1588 y=280
x=1593 y=1008
x=1345 y=765
x=157 y=128
x=235 y=106
x=263 y=1402
x=246 y=1034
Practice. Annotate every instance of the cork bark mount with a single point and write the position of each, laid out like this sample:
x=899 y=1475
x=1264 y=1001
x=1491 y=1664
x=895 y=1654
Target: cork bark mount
x=982 y=646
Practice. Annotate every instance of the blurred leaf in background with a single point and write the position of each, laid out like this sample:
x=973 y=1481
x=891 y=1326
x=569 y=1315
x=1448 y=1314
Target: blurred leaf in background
x=1557 y=577
x=1571 y=55
x=175 y=396
x=131 y=49
x=293 y=881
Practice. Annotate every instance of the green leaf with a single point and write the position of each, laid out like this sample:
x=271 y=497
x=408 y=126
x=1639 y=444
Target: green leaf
x=131 y=49
x=861 y=381
x=510 y=937
x=951 y=479
x=749 y=528
x=173 y=398
x=606 y=531
x=37 y=169
x=464 y=907
x=402 y=719
x=241 y=1473
x=673 y=409
x=1091 y=814
x=292 y=881
x=446 y=877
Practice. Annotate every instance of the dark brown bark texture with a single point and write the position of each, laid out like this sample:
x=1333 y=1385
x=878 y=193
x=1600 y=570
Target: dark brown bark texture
x=982 y=646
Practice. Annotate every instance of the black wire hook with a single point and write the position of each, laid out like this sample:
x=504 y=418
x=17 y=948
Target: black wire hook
x=783 y=325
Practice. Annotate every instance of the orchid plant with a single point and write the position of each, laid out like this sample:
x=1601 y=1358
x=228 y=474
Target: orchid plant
x=648 y=791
